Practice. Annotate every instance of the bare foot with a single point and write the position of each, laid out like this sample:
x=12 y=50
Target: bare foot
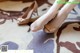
x=40 y=22
x=58 y=21
x=43 y=20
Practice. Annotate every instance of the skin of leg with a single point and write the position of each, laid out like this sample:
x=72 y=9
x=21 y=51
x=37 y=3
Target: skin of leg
x=39 y=23
x=62 y=15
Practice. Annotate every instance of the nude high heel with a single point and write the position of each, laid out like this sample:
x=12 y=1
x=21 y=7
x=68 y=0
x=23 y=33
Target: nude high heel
x=25 y=18
x=60 y=18
x=54 y=24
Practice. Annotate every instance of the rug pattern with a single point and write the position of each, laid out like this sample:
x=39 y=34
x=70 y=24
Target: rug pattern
x=65 y=40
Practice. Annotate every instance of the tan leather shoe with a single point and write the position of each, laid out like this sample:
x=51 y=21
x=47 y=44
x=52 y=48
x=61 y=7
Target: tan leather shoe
x=26 y=17
x=55 y=24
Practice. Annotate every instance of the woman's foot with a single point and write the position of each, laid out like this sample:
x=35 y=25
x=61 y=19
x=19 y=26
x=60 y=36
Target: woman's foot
x=40 y=22
x=43 y=20
x=60 y=18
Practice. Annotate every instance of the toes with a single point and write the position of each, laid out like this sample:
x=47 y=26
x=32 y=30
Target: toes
x=35 y=27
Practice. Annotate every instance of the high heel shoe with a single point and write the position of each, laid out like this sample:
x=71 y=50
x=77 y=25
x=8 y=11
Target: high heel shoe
x=54 y=24
x=48 y=28
x=29 y=21
x=26 y=17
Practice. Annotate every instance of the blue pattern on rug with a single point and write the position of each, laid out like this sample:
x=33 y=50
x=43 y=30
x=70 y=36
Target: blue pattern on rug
x=42 y=42
x=11 y=45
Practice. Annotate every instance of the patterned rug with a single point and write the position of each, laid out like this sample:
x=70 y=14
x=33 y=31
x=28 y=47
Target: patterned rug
x=65 y=40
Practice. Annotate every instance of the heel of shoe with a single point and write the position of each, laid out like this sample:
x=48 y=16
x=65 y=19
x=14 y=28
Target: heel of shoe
x=36 y=11
x=36 y=7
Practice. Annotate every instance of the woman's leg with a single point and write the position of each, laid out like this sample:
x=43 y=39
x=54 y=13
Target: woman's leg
x=39 y=23
x=62 y=15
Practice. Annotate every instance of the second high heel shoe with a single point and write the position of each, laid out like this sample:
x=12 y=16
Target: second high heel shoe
x=54 y=24
x=25 y=18
x=27 y=21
